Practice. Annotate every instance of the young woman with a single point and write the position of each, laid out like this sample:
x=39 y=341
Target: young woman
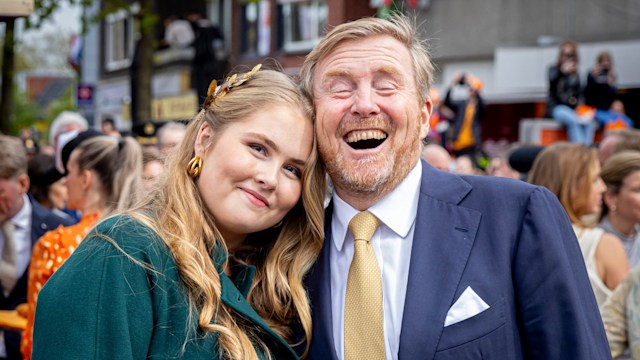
x=621 y=215
x=103 y=175
x=572 y=172
x=210 y=266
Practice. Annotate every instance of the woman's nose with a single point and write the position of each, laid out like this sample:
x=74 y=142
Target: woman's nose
x=267 y=175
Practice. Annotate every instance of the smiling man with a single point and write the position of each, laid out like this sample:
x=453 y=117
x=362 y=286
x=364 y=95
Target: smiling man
x=419 y=263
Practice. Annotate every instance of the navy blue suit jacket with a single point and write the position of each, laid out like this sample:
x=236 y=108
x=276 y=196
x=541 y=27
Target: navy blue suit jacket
x=514 y=245
x=42 y=220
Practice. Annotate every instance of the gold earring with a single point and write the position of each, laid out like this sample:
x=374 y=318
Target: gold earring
x=194 y=167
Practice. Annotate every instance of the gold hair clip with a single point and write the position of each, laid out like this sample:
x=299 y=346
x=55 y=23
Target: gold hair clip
x=216 y=91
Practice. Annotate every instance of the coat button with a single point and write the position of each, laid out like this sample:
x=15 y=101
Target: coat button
x=43 y=226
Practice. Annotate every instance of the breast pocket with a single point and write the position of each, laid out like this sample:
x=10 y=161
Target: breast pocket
x=480 y=337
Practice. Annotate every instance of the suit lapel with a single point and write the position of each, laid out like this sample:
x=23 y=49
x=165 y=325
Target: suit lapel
x=443 y=238
x=319 y=288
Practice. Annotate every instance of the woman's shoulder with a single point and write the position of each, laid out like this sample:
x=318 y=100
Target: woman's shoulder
x=126 y=234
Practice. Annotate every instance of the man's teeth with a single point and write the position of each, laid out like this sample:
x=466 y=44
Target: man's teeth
x=366 y=135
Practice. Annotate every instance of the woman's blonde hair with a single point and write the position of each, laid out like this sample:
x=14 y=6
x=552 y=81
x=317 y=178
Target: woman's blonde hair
x=117 y=162
x=282 y=256
x=397 y=26
x=567 y=170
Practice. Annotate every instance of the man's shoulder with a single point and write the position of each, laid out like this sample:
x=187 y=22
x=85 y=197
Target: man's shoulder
x=445 y=185
x=47 y=218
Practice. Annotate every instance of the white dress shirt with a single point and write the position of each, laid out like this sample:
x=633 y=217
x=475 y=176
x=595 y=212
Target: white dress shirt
x=21 y=238
x=391 y=243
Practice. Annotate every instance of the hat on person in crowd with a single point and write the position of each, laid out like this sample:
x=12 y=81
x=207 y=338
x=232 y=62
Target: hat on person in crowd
x=521 y=159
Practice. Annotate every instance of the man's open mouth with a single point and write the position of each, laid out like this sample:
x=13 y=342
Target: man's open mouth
x=365 y=139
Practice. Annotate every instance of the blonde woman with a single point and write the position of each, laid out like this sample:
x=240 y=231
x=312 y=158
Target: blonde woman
x=103 y=175
x=210 y=266
x=572 y=172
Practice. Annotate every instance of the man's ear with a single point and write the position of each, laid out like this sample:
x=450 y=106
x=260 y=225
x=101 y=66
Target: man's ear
x=23 y=183
x=203 y=140
x=425 y=116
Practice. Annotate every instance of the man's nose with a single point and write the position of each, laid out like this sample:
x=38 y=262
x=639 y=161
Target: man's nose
x=364 y=103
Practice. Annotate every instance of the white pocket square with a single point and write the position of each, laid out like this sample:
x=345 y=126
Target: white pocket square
x=468 y=305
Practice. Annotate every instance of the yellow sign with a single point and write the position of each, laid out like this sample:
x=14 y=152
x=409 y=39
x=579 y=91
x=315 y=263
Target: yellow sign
x=182 y=107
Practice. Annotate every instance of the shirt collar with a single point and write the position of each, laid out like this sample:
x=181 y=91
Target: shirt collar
x=397 y=210
x=22 y=218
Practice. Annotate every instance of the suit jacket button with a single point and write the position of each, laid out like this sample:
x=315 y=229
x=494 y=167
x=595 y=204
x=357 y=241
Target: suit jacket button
x=43 y=226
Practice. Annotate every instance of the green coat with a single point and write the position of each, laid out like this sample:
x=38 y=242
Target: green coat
x=102 y=305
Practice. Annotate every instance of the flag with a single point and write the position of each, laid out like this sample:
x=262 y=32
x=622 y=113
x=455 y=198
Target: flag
x=75 y=51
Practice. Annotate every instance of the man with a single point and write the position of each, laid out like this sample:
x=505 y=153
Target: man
x=178 y=33
x=108 y=127
x=464 y=99
x=618 y=140
x=22 y=223
x=436 y=156
x=169 y=136
x=208 y=45
x=65 y=122
x=465 y=266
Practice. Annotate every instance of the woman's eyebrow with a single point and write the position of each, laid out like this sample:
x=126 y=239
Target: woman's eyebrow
x=275 y=147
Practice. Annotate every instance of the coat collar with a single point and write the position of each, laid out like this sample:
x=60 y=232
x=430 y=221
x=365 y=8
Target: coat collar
x=235 y=296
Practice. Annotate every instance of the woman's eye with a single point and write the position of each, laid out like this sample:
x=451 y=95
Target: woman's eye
x=293 y=170
x=258 y=148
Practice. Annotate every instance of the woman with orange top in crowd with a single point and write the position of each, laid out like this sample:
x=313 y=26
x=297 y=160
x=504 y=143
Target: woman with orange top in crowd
x=97 y=185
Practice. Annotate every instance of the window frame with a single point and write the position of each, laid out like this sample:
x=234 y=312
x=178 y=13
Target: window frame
x=112 y=21
x=290 y=45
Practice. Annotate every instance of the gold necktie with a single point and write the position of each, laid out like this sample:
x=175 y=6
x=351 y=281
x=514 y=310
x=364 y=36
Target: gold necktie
x=363 y=317
x=8 y=260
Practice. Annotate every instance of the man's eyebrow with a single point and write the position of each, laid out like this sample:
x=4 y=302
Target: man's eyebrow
x=275 y=147
x=388 y=70
x=333 y=73
x=385 y=70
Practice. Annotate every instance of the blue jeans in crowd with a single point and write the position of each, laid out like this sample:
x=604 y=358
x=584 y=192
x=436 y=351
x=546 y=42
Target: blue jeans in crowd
x=578 y=132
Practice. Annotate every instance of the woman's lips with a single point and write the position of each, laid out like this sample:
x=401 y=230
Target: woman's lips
x=256 y=198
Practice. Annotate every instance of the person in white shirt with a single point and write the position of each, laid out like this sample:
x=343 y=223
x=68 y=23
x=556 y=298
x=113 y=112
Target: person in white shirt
x=178 y=33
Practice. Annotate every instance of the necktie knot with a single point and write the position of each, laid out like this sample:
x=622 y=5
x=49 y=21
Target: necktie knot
x=363 y=225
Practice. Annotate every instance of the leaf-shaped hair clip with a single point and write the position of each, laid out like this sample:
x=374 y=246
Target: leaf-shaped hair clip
x=216 y=91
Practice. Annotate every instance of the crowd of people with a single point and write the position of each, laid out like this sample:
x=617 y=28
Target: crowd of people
x=222 y=241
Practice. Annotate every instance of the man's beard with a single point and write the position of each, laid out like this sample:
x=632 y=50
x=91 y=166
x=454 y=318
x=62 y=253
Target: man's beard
x=372 y=175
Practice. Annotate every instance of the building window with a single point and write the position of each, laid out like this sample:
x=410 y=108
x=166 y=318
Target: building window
x=256 y=24
x=119 y=36
x=304 y=23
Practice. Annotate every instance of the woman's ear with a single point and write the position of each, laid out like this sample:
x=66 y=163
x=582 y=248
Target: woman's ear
x=87 y=179
x=609 y=199
x=203 y=140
